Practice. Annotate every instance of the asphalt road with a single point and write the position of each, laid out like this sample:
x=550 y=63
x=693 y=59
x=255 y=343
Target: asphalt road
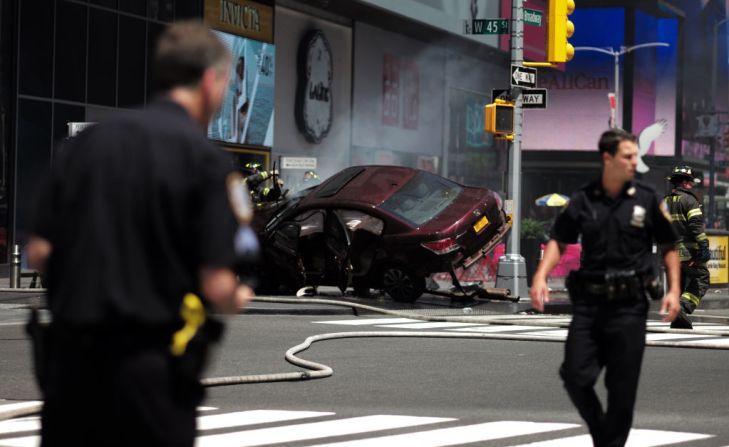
x=397 y=384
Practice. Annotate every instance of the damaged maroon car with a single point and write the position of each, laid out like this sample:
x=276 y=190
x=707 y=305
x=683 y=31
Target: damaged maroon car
x=383 y=227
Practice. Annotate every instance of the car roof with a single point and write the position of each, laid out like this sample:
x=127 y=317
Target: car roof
x=367 y=185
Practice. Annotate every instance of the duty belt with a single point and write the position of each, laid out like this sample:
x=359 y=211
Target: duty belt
x=611 y=286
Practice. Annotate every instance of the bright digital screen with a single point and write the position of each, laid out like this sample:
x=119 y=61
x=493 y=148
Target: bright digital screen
x=247 y=113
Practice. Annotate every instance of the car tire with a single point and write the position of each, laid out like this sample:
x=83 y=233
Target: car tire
x=402 y=284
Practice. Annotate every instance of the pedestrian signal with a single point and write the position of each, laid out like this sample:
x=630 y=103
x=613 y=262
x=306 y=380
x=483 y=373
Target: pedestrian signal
x=499 y=119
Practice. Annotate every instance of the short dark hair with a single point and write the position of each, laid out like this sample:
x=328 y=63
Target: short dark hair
x=611 y=139
x=184 y=51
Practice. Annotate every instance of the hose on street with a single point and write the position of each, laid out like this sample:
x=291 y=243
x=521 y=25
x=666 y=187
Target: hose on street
x=314 y=370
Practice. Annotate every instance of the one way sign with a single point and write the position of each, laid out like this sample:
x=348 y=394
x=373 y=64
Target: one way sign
x=523 y=76
x=534 y=98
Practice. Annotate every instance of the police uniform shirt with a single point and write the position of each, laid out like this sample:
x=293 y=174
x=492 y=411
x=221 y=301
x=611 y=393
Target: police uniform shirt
x=616 y=234
x=134 y=208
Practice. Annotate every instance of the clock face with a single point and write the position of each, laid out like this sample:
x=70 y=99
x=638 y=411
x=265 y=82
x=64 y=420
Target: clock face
x=315 y=90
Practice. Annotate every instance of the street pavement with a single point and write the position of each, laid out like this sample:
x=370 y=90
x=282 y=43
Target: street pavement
x=714 y=306
x=499 y=389
x=414 y=391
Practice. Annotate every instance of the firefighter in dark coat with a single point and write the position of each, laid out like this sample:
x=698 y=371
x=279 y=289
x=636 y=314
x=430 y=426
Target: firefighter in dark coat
x=255 y=180
x=692 y=245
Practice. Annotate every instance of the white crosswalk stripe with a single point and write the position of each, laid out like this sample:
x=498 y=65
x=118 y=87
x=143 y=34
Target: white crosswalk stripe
x=457 y=435
x=243 y=418
x=549 y=332
x=326 y=429
x=637 y=438
x=314 y=430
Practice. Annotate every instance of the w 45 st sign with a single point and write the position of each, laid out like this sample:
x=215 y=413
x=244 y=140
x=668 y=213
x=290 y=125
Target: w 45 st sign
x=486 y=26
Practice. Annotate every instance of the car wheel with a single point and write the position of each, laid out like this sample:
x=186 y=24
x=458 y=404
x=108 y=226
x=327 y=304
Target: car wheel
x=402 y=284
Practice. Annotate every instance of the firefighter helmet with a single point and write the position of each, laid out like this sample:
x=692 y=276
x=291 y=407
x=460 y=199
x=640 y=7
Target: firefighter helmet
x=683 y=172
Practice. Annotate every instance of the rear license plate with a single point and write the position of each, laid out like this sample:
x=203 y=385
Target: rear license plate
x=480 y=225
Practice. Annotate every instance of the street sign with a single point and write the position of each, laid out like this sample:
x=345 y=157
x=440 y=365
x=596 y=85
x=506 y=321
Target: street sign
x=531 y=99
x=497 y=92
x=486 y=26
x=533 y=17
x=76 y=127
x=298 y=162
x=523 y=76
x=534 y=99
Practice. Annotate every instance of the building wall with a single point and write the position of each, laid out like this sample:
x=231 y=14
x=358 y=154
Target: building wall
x=398 y=97
x=332 y=153
x=77 y=61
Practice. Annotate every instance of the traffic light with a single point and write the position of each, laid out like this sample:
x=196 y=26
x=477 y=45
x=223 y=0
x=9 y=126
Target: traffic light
x=499 y=118
x=558 y=30
x=725 y=138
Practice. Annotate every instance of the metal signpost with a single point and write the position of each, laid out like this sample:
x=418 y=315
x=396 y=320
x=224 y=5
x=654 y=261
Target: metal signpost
x=511 y=273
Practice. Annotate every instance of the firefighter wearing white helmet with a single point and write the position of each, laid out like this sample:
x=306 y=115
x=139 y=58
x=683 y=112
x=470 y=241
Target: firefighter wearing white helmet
x=692 y=245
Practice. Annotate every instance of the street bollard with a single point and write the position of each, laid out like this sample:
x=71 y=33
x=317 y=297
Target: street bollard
x=15 y=267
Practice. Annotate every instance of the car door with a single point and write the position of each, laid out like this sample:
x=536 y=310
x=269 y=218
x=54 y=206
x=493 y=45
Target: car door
x=282 y=261
x=337 y=243
x=365 y=232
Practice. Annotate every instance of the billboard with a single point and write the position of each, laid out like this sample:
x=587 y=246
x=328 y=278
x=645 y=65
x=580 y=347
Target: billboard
x=717 y=265
x=579 y=107
x=246 y=115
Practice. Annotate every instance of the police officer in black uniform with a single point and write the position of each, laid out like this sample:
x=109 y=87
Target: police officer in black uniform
x=136 y=216
x=617 y=219
x=692 y=245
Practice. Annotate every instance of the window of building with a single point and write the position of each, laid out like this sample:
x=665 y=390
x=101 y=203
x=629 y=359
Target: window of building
x=70 y=52
x=102 y=57
x=36 y=49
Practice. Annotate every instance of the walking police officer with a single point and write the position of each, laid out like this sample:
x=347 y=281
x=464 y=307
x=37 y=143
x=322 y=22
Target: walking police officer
x=692 y=245
x=617 y=219
x=137 y=215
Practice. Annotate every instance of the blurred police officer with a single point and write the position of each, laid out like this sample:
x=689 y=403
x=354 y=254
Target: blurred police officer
x=617 y=219
x=692 y=245
x=137 y=214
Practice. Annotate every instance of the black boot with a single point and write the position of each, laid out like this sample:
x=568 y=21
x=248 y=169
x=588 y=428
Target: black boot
x=682 y=320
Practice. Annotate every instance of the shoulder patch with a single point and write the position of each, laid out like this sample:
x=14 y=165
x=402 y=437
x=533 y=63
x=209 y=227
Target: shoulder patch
x=239 y=197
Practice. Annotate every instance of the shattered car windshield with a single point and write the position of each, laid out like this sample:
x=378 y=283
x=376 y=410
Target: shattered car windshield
x=422 y=198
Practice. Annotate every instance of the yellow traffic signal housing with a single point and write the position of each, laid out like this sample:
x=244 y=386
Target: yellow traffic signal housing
x=499 y=118
x=559 y=29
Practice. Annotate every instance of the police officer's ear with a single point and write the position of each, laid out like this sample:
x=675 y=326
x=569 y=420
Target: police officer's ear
x=605 y=156
x=213 y=84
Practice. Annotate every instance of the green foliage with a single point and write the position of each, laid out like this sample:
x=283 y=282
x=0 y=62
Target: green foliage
x=533 y=228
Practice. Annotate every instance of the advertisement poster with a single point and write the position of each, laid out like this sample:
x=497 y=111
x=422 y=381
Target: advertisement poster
x=246 y=116
x=391 y=91
x=718 y=268
x=410 y=97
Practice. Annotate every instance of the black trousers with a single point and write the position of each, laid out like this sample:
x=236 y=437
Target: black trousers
x=120 y=390
x=610 y=336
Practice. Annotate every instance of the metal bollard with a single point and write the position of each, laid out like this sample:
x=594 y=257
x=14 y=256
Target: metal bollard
x=15 y=267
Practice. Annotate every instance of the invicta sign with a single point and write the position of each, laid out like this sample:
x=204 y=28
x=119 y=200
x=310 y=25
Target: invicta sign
x=241 y=16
